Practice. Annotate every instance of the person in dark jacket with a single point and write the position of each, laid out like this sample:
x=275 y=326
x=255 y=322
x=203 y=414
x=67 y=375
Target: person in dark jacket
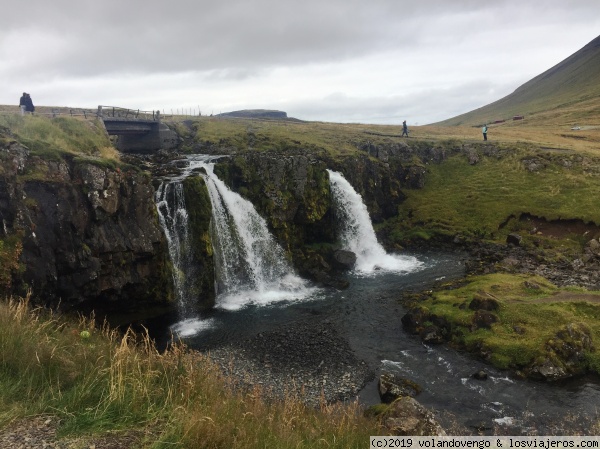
x=27 y=102
x=404 y=129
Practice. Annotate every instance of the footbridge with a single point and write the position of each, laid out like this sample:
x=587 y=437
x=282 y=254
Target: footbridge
x=137 y=131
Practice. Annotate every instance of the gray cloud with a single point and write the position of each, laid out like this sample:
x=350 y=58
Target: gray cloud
x=428 y=56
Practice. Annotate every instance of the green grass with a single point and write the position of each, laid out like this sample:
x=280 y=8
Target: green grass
x=333 y=139
x=476 y=200
x=107 y=381
x=61 y=138
x=50 y=137
x=528 y=318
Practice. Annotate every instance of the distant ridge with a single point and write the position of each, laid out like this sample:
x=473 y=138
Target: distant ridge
x=256 y=113
x=569 y=90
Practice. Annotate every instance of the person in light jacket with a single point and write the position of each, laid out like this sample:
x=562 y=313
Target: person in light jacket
x=484 y=131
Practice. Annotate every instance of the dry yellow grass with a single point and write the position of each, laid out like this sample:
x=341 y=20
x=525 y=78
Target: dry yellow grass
x=558 y=136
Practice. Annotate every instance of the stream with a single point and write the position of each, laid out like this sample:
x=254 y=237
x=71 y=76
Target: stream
x=368 y=315
x=258 y=292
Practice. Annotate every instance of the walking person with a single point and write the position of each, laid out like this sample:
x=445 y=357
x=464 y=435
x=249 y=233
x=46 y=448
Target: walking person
x=484 y=131
x=404 y=129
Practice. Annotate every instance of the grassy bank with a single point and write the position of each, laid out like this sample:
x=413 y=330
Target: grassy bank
x=530 y=314
x=54 y=138
x=487 y=199
x=96 y=380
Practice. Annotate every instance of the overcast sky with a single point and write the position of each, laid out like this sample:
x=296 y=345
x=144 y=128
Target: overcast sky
x=367 y=61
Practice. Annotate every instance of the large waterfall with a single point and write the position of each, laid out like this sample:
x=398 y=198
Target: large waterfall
x=251 y=267
x=356 y=231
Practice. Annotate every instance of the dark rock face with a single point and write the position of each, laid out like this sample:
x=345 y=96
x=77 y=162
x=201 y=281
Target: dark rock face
x=378 y=184
x=483 y=319
x=200 y=273
x=89 y=233
x=290 y=190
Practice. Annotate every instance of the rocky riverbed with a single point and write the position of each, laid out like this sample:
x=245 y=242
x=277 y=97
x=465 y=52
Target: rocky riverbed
x=311 y=361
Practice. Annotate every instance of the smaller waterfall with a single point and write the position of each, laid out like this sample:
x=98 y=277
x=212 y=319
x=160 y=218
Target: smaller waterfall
x=173 y=217
x=357 y=233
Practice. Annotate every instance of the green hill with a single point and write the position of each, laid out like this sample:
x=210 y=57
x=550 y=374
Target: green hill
x=569 y=92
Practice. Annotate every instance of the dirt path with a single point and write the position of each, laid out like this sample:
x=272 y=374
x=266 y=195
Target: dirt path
x=39 y=432
x=564 y=297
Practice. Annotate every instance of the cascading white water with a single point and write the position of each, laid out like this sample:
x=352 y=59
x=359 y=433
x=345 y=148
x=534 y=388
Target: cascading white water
x=356 y=232
x=251 y=267
x=173 y=217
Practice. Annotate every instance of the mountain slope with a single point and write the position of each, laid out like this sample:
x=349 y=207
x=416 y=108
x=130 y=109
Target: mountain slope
x=568 y=93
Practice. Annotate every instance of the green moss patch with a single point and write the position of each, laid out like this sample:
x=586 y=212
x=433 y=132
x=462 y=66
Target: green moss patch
x=529 y=314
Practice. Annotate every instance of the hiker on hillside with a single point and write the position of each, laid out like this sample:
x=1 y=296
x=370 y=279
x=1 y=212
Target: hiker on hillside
x=26 y=103
x=484 y=131
x=404 y=129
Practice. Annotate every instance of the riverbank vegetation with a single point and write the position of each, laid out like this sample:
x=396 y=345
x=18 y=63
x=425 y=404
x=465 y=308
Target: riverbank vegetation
x=96 y=380
x=490 y=196
x=518 y=322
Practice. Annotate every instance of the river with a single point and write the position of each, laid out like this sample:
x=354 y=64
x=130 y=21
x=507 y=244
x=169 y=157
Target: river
x=368 y=315
x=259 y=292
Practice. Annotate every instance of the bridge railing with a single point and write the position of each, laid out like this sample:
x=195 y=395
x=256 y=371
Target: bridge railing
x=125 y=113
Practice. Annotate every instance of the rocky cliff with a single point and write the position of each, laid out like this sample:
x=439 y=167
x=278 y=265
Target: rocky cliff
x=87 y=232
x=83 y=231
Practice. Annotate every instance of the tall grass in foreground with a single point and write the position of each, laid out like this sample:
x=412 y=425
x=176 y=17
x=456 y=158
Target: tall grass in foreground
x=95 y=380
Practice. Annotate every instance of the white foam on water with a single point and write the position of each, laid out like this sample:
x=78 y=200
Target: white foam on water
x=505 y=421
x=192 y=326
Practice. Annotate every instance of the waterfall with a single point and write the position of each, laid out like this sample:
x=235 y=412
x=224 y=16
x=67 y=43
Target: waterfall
x=250 y=266
x=173 y=217
x=356 y=232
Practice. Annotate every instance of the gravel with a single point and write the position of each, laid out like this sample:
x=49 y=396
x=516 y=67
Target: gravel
x=309 y=360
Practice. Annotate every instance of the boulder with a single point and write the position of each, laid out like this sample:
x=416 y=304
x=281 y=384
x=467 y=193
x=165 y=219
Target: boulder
x=344 y=259
x=414 y=319
x=406 y=416
x=391 y=387
x=482 y=303
x=514 y=239
x=480 y=375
